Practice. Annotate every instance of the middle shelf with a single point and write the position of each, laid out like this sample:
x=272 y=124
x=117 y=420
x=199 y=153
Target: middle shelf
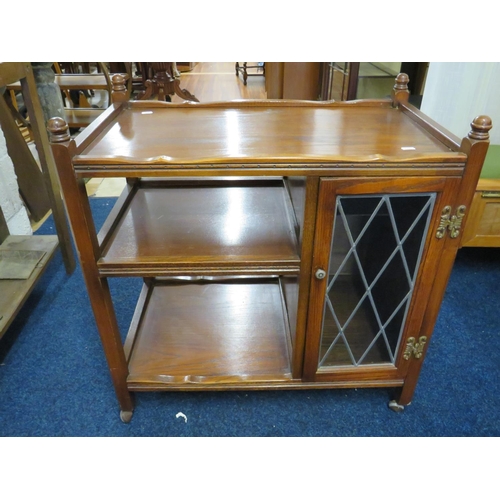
x=213 y=226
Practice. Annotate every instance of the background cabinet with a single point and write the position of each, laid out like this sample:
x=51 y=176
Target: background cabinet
x=293 y=80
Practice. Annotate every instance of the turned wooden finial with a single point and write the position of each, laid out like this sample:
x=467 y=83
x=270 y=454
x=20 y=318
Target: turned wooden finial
x=480 y=127
x=58 y=130
x=119 y=89
x=402 y=82
x=400 y=92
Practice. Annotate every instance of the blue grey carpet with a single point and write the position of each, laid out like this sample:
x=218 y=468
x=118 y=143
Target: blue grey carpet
x=54 y=379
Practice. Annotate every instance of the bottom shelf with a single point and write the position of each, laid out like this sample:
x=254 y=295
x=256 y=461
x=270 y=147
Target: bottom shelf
x=14 y=292
x=209 y=332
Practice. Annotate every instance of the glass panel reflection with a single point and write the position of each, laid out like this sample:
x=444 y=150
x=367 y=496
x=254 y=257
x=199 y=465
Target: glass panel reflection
x=376 y=249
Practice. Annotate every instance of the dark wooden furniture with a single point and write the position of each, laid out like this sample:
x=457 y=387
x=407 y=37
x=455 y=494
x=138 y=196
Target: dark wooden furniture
x=283 y=244
x=293 y=80
x=160 y=81
x=260 y=70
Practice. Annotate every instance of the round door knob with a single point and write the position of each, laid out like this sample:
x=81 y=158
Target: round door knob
x=320 y=274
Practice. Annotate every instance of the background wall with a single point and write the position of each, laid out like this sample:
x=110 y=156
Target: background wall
x=455 y=93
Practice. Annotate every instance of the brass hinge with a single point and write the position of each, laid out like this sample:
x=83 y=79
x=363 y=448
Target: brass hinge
x=414 y=348
x=450 y=222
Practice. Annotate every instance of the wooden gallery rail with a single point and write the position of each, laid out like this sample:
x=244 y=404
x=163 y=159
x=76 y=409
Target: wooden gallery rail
x=283 y=244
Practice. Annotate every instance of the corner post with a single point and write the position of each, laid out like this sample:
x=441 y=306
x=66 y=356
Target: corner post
x=475 y=146
x=84 y=233
x=400 y=92
x=119 y=92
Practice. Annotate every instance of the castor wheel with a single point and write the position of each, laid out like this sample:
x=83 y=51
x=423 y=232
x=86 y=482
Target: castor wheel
x=394 y=406
x=126 y=416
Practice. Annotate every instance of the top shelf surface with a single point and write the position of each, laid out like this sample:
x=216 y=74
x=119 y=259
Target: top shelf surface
x=237 y=132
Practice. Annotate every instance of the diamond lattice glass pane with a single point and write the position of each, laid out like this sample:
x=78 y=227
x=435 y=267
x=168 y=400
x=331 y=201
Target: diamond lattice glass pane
x=346 y=290
x=376 y=247
x=406 y=209
x=338 y=355
x=358 y=212
x=361 y=331
x=330 y=331
x=340 y=250
x=393 y=328
x=391 y=288
x=377 y=353
x=377 y=243
x=412 y=245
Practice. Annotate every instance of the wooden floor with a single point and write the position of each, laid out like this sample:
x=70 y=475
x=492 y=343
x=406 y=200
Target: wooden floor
x=209 y=82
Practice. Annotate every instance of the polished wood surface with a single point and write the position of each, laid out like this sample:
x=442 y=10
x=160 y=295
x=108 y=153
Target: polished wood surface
x=228 y=225
x=213 y=333
x=216 y=332
x=328 y=192
x=81 y=117
x=266 y=132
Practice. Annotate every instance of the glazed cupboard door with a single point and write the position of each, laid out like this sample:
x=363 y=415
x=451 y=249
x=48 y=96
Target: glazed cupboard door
x=376 y=252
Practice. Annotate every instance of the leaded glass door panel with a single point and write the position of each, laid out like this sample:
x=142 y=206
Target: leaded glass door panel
x=371 y=238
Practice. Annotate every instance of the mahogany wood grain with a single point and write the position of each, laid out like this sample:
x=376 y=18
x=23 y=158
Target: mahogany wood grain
x=329 y=190
x=263 y=133
x=256 y=385
x=449 y=139
x=475 y=146
x=116 y=213
x=81 y=117
x=215 y=333
x=225 y=225
x=96 y=128
x=251 y=332
x=82 y=225
x=308 y=230
x=271 y=170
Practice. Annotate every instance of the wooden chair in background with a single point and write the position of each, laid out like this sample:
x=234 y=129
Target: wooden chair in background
x=39 y=183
